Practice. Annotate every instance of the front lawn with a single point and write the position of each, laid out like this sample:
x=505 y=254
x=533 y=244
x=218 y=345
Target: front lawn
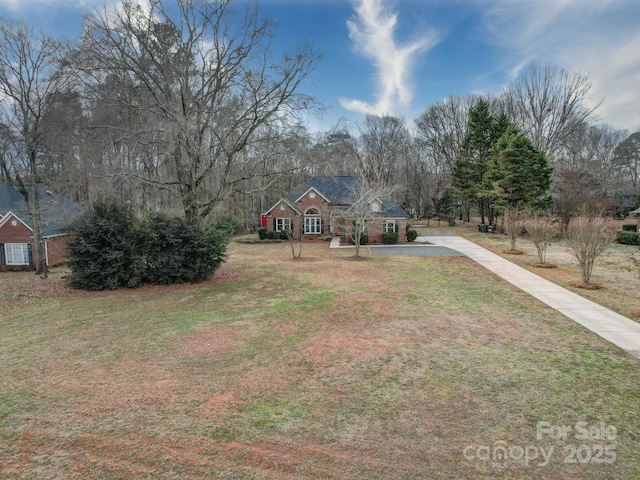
x=320 y=367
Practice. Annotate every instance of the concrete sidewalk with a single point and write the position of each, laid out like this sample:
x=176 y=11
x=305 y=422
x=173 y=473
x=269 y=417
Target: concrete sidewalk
x=611 y=326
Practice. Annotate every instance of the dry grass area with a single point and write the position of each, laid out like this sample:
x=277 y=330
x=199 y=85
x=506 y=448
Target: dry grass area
x=616 y=272
x=391 y=367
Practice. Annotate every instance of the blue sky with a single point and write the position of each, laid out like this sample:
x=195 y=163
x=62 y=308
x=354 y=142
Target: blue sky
x=400 y=56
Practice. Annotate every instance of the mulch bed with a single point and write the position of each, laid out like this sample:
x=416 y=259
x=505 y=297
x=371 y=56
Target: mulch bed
x=543 y=264
x=585 y=285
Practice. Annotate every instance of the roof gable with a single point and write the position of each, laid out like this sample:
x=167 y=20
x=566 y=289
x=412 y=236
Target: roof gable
x=312 y=189
x=339 y=190
x=57 y=212
x=283 y=200
x=336 y=190
x=9 y=215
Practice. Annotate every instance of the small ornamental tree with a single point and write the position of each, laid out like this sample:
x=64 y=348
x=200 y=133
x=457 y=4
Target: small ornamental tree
x=541 y=229
x=588 y=237
x=513 y=222
x=294 y=239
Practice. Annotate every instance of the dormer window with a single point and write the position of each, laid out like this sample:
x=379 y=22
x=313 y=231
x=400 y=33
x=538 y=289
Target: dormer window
x=375 y=207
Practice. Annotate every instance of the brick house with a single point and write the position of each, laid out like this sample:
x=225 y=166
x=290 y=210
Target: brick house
x=324 y=206
x=16 y=232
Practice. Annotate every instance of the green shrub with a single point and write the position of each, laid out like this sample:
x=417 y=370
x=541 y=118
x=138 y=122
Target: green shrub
x=411 y=235
x=262 y=233
x=390 y=238
x=628 y=238
x=110 y=248
x=102 y=251
x=225 y=221
x=630 y=227
x=179 y=251
x=364 y=239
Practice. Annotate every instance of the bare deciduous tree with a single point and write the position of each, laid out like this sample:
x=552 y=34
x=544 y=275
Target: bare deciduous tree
x=204 y=82
x=513 y=223
x=588 y=237
x=548 y=104
x=586 y=172
x=384 y=145
x=541 y=230
x=627 y=156
x=30 y=78
x=360 y=211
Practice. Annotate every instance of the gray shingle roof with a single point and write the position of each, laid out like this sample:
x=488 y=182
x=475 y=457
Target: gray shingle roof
x=338 y=191
x=57 y=212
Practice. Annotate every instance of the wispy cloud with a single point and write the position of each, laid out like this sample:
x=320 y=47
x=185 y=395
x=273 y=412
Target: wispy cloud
x=373 y=34
x=600 y=38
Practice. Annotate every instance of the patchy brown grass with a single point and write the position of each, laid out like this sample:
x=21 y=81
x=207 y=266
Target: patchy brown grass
x=322 y=368
x=616 y=271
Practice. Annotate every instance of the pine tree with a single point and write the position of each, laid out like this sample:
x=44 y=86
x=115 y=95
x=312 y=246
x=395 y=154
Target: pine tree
x=470 y=170
x=519 y=172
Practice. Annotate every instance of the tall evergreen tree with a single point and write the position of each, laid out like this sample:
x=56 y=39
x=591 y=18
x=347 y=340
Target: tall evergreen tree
x=470 y=169
x=519 y=172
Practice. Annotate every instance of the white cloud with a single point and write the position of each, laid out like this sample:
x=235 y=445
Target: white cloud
x=12 y=5
x=598 y=37
x=372 y=32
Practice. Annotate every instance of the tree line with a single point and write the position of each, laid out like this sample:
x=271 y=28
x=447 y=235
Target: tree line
x=184 y=108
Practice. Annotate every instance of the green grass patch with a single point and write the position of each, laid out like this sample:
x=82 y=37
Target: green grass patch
x=322 y=368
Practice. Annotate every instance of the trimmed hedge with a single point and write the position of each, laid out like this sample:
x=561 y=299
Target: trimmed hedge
x=411 y=235
x=364 y=239
x=390 y=238
x=628 y=238
x=262 y=233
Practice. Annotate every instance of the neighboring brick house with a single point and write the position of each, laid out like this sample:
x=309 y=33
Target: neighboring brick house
x=16 y=232
x=322 y=207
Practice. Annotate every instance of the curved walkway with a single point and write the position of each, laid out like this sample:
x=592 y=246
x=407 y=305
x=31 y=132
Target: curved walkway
x=611 y=326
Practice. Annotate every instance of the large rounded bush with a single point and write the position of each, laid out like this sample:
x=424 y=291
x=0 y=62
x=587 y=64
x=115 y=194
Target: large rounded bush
x=102 y=251
x=110 y=248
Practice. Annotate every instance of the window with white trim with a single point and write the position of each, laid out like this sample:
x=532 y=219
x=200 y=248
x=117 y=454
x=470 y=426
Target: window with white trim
x=282 y=224
x=16 y=253
x=313 y=225
x=389 y=226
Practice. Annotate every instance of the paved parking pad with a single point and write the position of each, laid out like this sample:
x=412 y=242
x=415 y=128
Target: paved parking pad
x=415 y=250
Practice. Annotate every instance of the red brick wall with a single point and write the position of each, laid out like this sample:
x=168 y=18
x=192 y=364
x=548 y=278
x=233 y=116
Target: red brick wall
x=288 y=212
x=57 y=249
x=15 y=234
x=375 y=229
x=19 y=233
x=318 y=202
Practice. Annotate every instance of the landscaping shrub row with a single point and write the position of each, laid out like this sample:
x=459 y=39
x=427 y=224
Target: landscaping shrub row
x=628 y=238
x=264 y=234
x=112 y=248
